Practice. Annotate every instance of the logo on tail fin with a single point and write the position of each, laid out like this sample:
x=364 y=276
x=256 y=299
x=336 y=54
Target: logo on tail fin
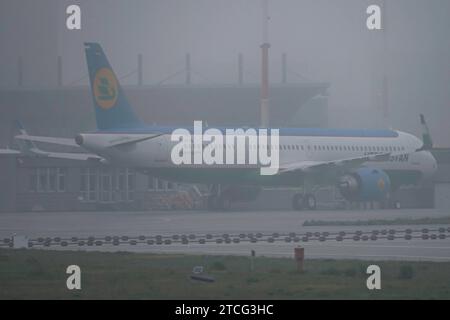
x=105 y=88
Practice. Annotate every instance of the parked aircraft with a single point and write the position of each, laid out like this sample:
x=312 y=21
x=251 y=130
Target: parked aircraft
x=365 y=164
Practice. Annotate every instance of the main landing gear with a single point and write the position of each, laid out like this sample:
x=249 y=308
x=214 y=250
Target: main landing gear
x=217 y=200
x=391 y=201
x=302 y=201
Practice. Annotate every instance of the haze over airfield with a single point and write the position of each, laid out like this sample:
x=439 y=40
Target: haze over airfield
x=325 y=40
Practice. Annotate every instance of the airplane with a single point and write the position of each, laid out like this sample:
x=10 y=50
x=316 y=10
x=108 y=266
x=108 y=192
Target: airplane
x=366 y=165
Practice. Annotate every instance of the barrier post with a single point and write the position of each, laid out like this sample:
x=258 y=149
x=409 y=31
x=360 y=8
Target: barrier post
x=299 y=253
x=252 y=263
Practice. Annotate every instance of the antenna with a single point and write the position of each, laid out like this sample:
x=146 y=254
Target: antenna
x=266 y=18
x=265 y=66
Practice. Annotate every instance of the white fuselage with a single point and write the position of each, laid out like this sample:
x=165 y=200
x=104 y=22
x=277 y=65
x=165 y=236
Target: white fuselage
x=156 y=152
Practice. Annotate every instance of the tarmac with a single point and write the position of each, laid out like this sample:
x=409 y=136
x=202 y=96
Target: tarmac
x=269 y=233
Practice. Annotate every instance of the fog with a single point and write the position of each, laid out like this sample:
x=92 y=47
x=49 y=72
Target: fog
x=325 y=40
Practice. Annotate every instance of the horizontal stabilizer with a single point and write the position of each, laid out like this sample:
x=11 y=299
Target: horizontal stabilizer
x=50 y=140
x=68 y=155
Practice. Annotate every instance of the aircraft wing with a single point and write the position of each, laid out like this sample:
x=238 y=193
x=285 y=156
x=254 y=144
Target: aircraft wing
x=51 y=140
x=338 y=165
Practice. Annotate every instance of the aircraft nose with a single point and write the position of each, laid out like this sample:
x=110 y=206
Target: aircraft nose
x=79 y=140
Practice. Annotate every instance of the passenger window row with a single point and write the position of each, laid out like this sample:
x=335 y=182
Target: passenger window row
x=295 y=147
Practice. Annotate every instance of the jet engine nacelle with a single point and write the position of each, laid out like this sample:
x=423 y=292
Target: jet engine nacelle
x=365 y=184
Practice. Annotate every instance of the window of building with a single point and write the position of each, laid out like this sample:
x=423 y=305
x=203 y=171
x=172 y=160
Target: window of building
x=155 y=184
x=171 y=186
x=52 y=179
x=42 y=180
x=131 y=184
x=107 y=184
x=88 y=186
x=48 y=179
x=161 y=185
x=33 y=181
x=61 y=174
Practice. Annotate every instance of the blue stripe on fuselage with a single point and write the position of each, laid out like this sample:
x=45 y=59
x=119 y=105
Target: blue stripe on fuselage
x=307 y=132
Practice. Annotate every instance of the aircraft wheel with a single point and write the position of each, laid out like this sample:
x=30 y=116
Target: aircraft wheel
x=218 y=203
x=297 y=202
x=310 y=202
x=392 y=204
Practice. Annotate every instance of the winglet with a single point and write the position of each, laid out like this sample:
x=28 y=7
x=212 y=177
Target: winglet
x=426 y=136
x=25 y=146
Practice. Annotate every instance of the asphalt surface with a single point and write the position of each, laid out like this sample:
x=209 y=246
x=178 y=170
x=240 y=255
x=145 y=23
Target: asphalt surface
x=178 y=223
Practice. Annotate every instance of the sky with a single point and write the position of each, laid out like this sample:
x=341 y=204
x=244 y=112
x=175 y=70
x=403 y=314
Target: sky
x=325 y=41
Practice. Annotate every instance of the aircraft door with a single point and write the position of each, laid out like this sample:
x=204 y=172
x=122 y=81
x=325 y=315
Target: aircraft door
x=308 y=150
x=161 y=149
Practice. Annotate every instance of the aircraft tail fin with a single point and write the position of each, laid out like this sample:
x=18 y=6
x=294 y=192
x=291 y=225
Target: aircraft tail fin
x=112 y=109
